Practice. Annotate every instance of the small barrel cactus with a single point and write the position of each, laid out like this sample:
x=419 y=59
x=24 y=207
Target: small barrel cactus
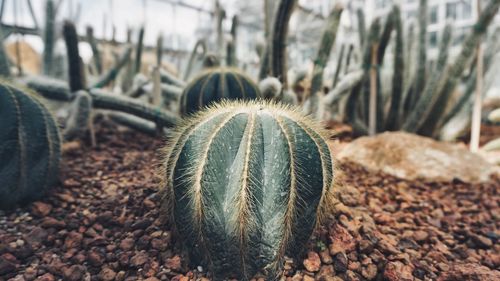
x=214 y=85
x=29 y=147
x=245 y=184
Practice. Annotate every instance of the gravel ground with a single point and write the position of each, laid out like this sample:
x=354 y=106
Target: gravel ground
x=102 y=223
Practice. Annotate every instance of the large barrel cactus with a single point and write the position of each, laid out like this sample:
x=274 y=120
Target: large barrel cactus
x=245 y=184
x=214 y=85
x=29 y=147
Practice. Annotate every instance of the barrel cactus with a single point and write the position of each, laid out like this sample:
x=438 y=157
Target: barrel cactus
x=246 y=183
x=214 y=85
x=29 y=147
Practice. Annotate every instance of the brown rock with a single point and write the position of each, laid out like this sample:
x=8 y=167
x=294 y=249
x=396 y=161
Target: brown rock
x=139 y=259
x=73 y=240
x=326 y=258
x=174 y=263
x=340 y=262
x=152 y=279
x=46 y=277
x=40 y=209
x=50 y=222
x=342 y=240
x=107 y=274
x=420 y=235
x=6 y=266
x=397 y=271
x=127 y=244
x=413 y=157
x=481 y=241
x=74 y=273
x=95 y=259
x=369 y=271
x=471 y=272
x=308 y=278
x=313 y=262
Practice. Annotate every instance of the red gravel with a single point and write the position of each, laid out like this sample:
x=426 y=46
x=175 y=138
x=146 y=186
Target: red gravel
x=102 y=223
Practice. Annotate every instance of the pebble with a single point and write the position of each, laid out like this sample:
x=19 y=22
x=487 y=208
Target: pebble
x=313 y=262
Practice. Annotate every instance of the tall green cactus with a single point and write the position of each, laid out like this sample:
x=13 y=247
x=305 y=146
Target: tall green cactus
x=200 y=44
x=30 y=147
x=75 y=68
x=278 y=44
x=422 y=51
x=214 y=85
x=245 y=184
x=95 y=49
x=49 y=38
x=392 y=120
x=4 y=60
x=80 y=116
x=325 y=47
x=138 y=51
x=231 y=46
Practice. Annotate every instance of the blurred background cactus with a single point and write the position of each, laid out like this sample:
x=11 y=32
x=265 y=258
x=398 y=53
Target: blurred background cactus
x=245 y=184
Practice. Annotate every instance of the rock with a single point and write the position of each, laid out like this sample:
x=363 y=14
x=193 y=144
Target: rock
x=36 y=236
x=6 y=266
x=50 y=222
x=369 y=271
x=40 y=209
x=174 y=263
x=127 y=244
x=95 y=259
x=152 y=279
x=413 y=157
x=481 y=241
x=46 y=277
x=139 y=259
x=340 y=262
x=470 y=271
x=73 y=240
x=74 y=273
x=107 y=274
x=342 y=240
x=326 y=258
x=420 y=235
x=313 y=262
x=308 y=278
x=397 y=271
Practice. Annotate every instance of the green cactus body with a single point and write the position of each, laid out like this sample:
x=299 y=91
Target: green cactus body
x=95 y=49
x=75 y=68
x=49 y=38
x=247 y=183
x=30 y=147
x=4 y=60
x=214 y=85
x=80 y=117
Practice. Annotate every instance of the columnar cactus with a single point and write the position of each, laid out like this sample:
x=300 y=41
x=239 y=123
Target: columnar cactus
x=75 y=69
x=214 y=85
x=245 y=184
x=30 y=147
x=49 y=38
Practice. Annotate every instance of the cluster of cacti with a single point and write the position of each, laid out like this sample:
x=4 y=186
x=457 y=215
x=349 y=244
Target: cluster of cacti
x=245 y=184
x=215 y=85
x=30 y=147
x=416 y=102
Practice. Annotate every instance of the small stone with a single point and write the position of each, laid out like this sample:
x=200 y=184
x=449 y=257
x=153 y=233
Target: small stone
x=74 y=273
x=50 y=222
x=469 y=271
x=139 y=259
x=6 y=266
x=107 y=274
x=174 y=263
x=420 y=235
x=397 y=271
x=340 y=262
x=342 y=240
x=41 y=209
x=326 y=258
x=127 y=244
x=481 y=242
x=369 y=271
x=73 y=240
x=46 y=277
x=95 y=259
x=152 y=279
x=313 y=262
x=365 y=246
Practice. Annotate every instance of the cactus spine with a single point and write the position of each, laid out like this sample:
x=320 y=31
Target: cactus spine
x=325 y=46
x=214 y=85
x=30 y=150
x=49 y=38
x=245 y=184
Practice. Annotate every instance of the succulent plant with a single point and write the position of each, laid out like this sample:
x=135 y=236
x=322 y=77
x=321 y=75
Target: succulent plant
x=49 y=38
x=30 y=147
x=214 y=85
x=4 y=60
x=270 y=88
x=246 y=183
x=79 y=120
x=75 y=66
x=95 y=49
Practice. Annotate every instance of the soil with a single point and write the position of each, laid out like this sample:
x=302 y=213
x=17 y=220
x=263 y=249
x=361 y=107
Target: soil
x=102 y=223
